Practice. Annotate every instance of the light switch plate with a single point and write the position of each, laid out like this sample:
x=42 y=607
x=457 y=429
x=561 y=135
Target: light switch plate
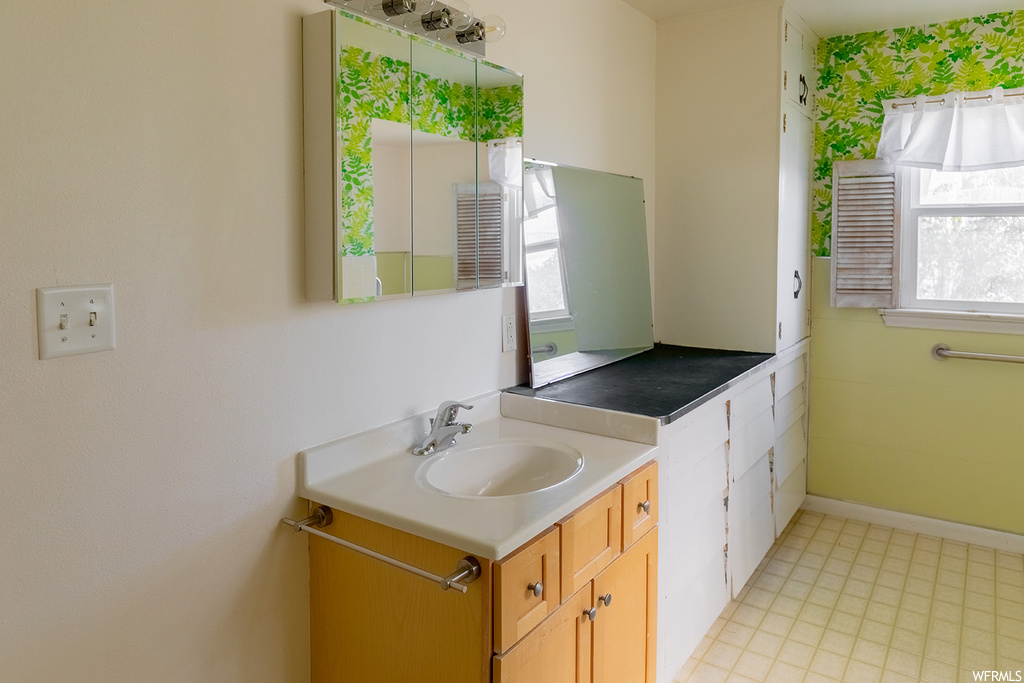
x=75 y=320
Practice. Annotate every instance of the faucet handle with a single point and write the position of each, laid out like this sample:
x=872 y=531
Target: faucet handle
x=448 y=411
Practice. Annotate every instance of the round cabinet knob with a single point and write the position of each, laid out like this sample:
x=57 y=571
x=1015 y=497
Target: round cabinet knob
x=645 y=506
x=606 y=599
x=591 y=613
x=536 y=588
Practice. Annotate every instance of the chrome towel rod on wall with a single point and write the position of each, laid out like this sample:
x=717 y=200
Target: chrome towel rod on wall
x=942 y=351
x=467 y=571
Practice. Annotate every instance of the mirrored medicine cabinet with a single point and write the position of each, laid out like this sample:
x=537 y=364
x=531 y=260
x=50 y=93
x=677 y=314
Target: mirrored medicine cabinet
x=413 y=164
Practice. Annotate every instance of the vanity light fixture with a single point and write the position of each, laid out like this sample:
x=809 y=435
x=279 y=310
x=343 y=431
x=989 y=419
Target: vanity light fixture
x=450 y=23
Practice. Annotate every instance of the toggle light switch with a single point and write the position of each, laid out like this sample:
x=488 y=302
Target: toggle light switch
x=75 y=320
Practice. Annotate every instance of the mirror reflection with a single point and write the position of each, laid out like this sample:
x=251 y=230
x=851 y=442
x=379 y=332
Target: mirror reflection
x=429 y=167
x=587 y=274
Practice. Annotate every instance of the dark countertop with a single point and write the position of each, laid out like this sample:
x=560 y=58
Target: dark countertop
x=665 y=382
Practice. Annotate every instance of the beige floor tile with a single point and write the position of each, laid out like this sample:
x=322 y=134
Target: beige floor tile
x=684 y=674
x=935 y=671
x=890 y=676
x=736 y=634
x=857 y=588
x=705 y=673
x=766 y=644
x=737 y=678
x=838 y=600
x=797 y=654
x=869 y=652
x=748 y=615
x=815 y=614
x=845 y=623
x=777 y=624
x=753 y=665
x=836 y=642
x=806 y=633
x=722 y=655
x=787 y=606
x=903 y=662
x=884 y=614
x=942 y=650
x=785 y=673
x=829 y=664
x=908 y=641
x=859 y=672
x=876 y=632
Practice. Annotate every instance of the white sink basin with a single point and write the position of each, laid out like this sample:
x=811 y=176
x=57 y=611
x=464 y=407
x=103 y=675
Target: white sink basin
x=506 y=467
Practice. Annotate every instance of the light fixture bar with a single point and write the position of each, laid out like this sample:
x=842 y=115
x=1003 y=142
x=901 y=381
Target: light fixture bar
x=451 y=24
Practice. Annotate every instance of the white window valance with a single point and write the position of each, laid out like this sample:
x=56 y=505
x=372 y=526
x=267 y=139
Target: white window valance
x=960 y=131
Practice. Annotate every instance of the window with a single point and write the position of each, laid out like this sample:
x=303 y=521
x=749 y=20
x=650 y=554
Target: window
x=963 y=240
x=930 y=249
x=545 y=267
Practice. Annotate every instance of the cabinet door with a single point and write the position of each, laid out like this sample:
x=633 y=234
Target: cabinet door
x=591 y=539
x=793 y=301
x=625 y=596
x=557 y=651
x=517 y=579
x=797 y=65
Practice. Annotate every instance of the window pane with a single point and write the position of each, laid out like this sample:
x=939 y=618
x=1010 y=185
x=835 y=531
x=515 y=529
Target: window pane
x=998 y=186
x=545 y=275
x=971 y=258
x=541 y=228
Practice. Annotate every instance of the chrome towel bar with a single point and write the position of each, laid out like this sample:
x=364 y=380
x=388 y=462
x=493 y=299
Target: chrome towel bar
x=466 y=571
x=942 y=351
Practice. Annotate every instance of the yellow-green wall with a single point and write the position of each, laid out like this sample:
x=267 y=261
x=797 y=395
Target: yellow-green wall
x=892 y=427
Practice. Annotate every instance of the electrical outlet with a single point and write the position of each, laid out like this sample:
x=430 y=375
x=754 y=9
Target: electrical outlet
x=508 y=333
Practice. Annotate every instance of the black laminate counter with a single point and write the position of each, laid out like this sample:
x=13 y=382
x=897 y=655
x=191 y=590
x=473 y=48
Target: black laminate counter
x=665 y=382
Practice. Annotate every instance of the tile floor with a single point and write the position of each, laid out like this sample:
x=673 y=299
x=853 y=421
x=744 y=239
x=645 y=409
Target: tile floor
x=842 y=600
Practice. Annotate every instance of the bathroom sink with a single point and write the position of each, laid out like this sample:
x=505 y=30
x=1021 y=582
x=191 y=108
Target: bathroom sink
x=505 y=467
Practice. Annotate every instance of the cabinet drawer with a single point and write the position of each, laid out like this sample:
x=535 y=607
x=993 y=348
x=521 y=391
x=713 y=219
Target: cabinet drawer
x=639 y=504
x=591 y=539
x=517 y=609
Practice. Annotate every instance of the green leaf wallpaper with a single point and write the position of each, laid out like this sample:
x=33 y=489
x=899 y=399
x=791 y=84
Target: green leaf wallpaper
x=373 y=86
x=857 y=72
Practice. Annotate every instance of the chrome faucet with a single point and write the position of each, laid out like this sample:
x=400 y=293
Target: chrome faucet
x=443 y=429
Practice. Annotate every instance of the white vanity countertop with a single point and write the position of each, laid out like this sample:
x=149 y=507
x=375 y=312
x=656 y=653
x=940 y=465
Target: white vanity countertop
x=373 y=475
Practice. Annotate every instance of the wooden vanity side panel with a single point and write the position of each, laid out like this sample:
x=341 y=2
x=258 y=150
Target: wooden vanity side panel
x=591 y=539
x=638 y=488
x=372 y=621
x=516 y=609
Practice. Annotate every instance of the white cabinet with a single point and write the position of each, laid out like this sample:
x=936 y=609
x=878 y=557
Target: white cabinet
x=732 y=473
x=736 y=93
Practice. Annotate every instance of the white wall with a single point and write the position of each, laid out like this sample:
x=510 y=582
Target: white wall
x=718 y=161
x=158 y=146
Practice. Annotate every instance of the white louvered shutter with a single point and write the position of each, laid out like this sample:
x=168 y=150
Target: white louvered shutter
x=479 y=237
x=865 y=234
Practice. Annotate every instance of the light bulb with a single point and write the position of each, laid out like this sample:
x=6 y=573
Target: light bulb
x=494 y=28
x=461 y=14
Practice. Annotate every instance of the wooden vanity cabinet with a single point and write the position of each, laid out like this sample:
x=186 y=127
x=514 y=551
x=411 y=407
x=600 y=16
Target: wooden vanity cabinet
x=539 y=615
x=603 y=633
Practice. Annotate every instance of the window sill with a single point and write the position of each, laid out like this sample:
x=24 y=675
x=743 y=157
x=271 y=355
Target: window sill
x=953 y=320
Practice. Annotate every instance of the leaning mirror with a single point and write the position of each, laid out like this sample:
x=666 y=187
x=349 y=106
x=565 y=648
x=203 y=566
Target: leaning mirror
x=587 y=275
